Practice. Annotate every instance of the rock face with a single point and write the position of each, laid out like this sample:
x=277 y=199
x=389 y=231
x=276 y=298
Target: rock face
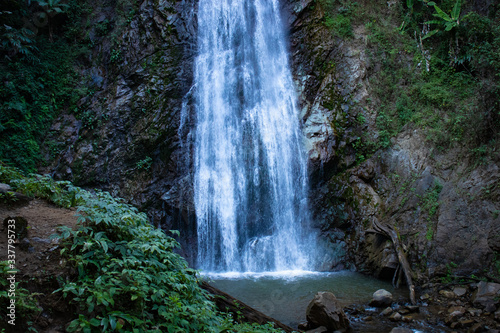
x=325 y=310
x=129 y=139
x=381 y=298
x=487 y=295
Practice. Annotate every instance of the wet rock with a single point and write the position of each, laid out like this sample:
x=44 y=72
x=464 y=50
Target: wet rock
x=453 y=317
x=321 y=329
x=325 y=310
x=396 y=316
x=447 y=294
x=387 y=311
x=485 y=294
x=401 y=330
x=381 y=298
x=459 y=291
x=302 y=326
x=407 y=319
x=413 y=308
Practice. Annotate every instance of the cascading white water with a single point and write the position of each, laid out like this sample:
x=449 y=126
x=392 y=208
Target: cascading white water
x=250 y=170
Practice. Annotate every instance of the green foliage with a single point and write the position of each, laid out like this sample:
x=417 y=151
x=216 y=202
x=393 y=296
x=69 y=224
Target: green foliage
x=448 y=21
x=449 y=277
x=145 y=163
x=38 y=79
x=339 y=16
x=33 y=94
x=18 y=41
x=129 y=277
x=429 y=203
x=26 y=304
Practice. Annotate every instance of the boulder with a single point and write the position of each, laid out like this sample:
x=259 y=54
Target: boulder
x=325 y=310
x=485 y=294
x=381 y=298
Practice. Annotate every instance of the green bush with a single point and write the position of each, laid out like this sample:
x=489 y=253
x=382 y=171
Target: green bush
x=129 y=278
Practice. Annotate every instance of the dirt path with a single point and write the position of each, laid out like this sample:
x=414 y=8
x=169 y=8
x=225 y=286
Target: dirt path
x=38 y=258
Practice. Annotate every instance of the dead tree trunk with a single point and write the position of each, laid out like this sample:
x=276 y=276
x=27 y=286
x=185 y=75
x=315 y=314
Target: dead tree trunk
x=403 y=261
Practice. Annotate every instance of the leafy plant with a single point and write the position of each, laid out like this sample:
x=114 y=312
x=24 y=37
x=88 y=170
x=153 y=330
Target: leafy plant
x=145 y=163
x=26 y=304
x=448 y=21
x=14 y=41
x=52 y=8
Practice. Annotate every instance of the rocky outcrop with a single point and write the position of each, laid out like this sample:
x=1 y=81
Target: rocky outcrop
x=443 y=204
x=124 y=137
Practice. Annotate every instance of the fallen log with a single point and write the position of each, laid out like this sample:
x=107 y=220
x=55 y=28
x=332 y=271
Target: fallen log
x=241 y=311
x=403 y=261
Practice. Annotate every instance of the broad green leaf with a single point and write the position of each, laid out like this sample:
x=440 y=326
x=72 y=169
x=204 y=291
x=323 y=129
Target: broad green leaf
x=441 y=14
x=455 y=13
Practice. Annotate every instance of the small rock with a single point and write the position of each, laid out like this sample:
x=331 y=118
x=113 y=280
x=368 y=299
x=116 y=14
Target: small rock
x=302 y=326
x=407 y=319
x=5 y=188
x=452 y=309
x=476 y=328
x=368 y=318
x=396 y=316
x=453 y=317
x=401 y=330
x=321 y=329
x=475 y=312
x=413 y=308
x=466 y=322
x=447 y=294
x=424 y=297
x=381 y=298
x=387 y=311
x=459 y=291
x=40 y=240
x=490 y=307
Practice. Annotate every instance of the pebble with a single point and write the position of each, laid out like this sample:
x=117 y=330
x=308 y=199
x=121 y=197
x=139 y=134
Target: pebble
x=396 y=316
x=459 y=291
x=387 y=311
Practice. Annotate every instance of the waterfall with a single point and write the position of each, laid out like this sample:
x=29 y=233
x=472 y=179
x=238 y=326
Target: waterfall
x=250 y=178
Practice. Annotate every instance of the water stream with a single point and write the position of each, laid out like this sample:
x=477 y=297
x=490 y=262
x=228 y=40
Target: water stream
x=250 y=180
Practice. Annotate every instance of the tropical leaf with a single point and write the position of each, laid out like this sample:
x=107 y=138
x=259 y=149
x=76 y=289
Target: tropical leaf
x=455 y=13
x=441 y=14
